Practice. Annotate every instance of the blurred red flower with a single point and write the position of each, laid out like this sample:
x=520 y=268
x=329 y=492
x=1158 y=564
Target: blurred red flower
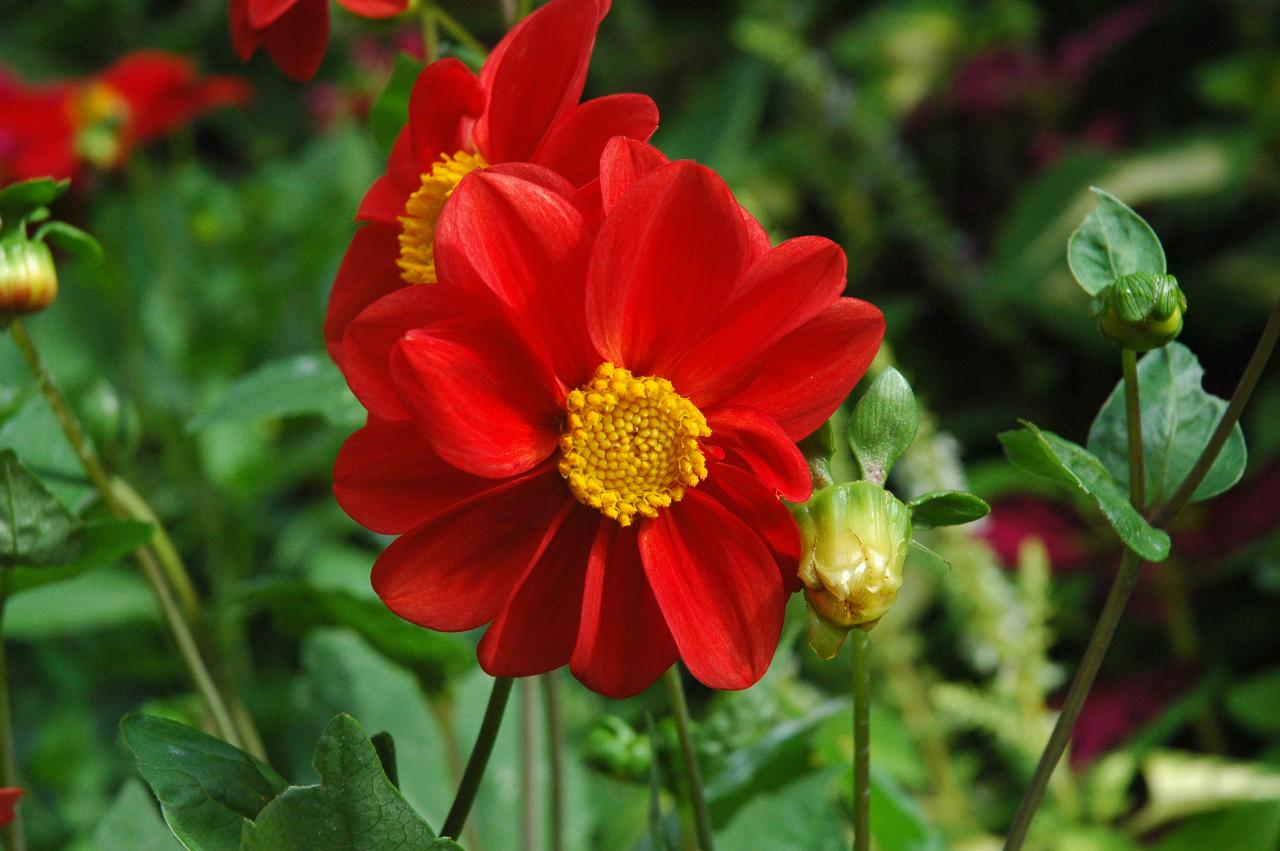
x=9 y=796
x=52 y=129
x=580 y=433
x=295 y=32
x=1015 y=519
x=523 y=107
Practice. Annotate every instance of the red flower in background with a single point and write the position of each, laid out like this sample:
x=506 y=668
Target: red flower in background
x=52 y=129
x=1015 y=519
x=295 y=32
x=580 y=433
x=9 y=796
x=523 y=107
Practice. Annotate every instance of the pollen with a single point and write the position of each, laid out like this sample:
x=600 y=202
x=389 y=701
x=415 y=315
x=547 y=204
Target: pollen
x=630 y=444
x=417 y=259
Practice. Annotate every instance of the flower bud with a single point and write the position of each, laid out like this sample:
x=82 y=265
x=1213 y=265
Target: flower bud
x=28 y=279
x=854 y=541
x=1141 y=311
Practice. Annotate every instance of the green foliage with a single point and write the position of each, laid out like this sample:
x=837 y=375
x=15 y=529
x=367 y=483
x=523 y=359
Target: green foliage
x=1178 y=417
x=302 y=384
x=70 y=239
x=35 y=527
x=133 y=824
x=1252 y=703
x=946 y=508
x=24 y=200
x=883 y=425
x=1045 y=454
x=1111 y=242
x=390 y=112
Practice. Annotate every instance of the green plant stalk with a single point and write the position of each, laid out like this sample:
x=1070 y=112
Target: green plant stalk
x=522 y=9
x=13 y=836
x=1133 y=421
x=555 y=755
x=178 y=626
x=479 y=760
x=530 y=797
x=860 y=646
x=697 y=797
x=461 y=33
x=163 y=548
x=430 y=32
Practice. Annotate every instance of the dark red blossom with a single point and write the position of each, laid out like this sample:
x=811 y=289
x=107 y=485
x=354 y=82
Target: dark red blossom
x=9 y=796
x=1016 y=519
x=580 y=433
x=294 y=32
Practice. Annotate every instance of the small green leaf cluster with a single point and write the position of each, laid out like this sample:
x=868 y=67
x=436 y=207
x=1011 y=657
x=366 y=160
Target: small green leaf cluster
x=28 y=279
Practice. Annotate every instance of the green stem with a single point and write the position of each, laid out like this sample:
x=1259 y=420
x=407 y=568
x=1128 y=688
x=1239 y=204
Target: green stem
x=529 y=791
x=860 y=645
x=555 y=755
x=13 y=836
x=461 y=33
x=1133 y=421
x=178 y=626
x=162 y=545
x=522 y=9
x=479 y=757
x=697 y=798
x=430 y=32
x=1231 y=416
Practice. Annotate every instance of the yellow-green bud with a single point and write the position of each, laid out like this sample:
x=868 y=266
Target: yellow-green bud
x=854 y=541
x=28 y=279
x=1141 y=311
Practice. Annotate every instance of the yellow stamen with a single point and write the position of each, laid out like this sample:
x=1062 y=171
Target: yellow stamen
x=630 y=444
x=417 y=259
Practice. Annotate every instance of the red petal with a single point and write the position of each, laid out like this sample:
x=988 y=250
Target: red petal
x=670 y=253
x=264 y=13
x=385 y=200
x=368 y=272
x=389 y=480
x=9 y=796
x=812 y=369
x=534 y=74
x=244 y=38
x=755 y=503
x=623 y=162
x=527 y=244
x=297 y=40
x=374 y=8
x=783 y=290
x=486 y=402
x=752 y=440
x=536 y=630
x=445 y=96
x=719 y=589
x=575 y=141
x=623 y=642
x=456 y=570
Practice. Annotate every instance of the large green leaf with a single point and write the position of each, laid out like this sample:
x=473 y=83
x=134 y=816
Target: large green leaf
x=133 y=824
x=946 y=508
x=1045 y=454
x=206 y=787
x=1112 y=241
x=354 y=808
x=95 y=544
x=302 y=384
x=1178 y=417
x=35 y=528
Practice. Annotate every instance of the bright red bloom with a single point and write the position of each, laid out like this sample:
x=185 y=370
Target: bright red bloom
x=523 y=107
x=295 y=32
x=9 y=796
x=52 y=129
x=580 y=433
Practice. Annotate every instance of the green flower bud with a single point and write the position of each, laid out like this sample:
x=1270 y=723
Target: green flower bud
x=1141 y=311
x=854 y=541
x=28 y=279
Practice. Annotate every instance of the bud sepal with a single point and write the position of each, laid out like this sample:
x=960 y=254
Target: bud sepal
x=1141 y=311
x=28 y=277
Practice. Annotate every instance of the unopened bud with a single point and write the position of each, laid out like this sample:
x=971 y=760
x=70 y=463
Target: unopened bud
x=28 y=279
x=1141 y=311
x=854 y=541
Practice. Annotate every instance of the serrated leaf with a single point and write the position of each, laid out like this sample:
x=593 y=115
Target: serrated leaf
x=206 y=787
x=390 y=112
x=35 y=528
x=303 y=384
x=354 y=807
x=1178 y=417
x=19 y=200
x=96 y=544
x=946 y=508
x=70 y=239
x=1045 y=454
x=1112 y=241
x=883 y=424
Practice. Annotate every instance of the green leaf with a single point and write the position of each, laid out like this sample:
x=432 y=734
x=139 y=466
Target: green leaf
x=1112 y=241
x=1182 y=784
x=1252 y=704
x=354 y=808
x=106 y=598
x=96 y=544
x=946 y=508
x=390 y=112
x=303 y=384
x=133 y=824
x=385 y=745
x=897 y=822
x=1178 y=417
x=70 y=239
x=19 y=200
x=1248 y=826
x=1045 y=454
x=803 y=814
x=883 y=425
x=206 y=787
x=34 y=526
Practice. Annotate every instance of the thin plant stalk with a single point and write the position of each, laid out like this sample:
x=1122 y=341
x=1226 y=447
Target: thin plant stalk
x=530 y=791
x=13 y=836
x=430 y=32
x=479 y=760
x=860 y=645
x=555 y=756
x=697 y=798
x=151 y=569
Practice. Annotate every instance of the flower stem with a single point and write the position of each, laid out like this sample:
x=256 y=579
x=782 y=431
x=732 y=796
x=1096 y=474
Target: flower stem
x=529 y=787
x=860 y=645
x=1231 y=416
x=479 y=757
x=1133 y=420
x=177 y=623
x=459 y=32
x=555 y=754
x=13 y=837
x=698 y=800
x=430 y=32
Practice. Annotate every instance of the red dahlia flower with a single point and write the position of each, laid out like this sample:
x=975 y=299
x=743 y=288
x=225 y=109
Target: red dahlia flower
x=295 y=32
x=9 y=796
x=523 y=107
x=580 y=433
x=52 y=129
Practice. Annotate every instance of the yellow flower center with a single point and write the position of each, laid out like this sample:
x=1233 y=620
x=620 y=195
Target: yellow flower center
x=417 y=259
x=630 y=444
x=99 y=114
